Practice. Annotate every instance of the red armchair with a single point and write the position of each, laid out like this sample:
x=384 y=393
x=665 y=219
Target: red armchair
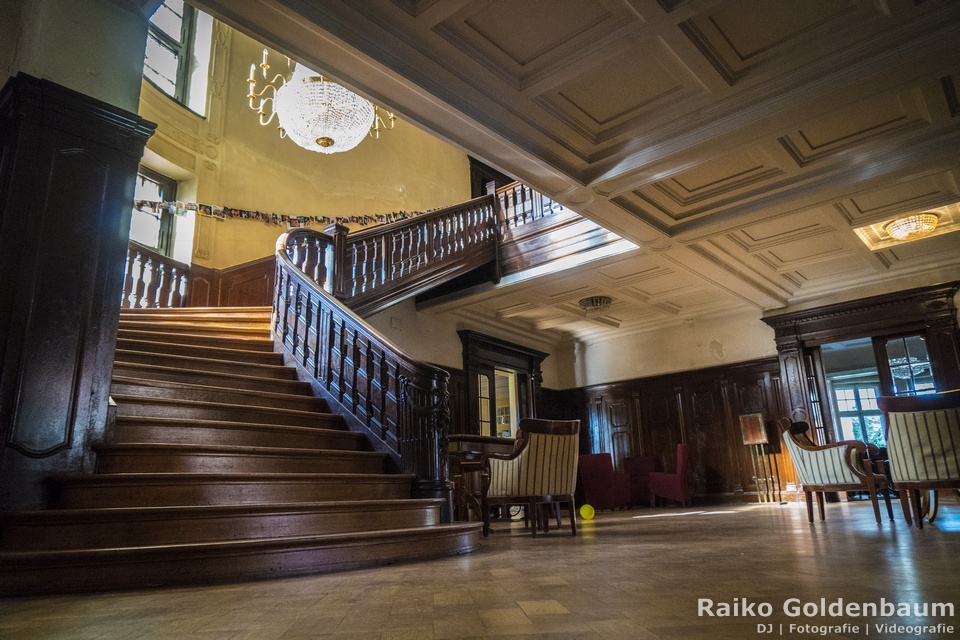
x=602 y=487
x=673 y=486
x=639 y=469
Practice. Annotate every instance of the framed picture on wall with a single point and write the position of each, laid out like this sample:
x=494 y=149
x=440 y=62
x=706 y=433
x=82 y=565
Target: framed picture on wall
x=752 y=429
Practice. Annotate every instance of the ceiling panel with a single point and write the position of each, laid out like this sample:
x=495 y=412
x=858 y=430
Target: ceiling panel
x=739 y=144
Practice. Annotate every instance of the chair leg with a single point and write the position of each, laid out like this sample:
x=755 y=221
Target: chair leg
x=905 y=505
x=917 y=508
x=534 y=514
x=820 y=504
x=809 y=497
x=934 y=505
x=573 y=515
x=886 y=499
x=876 y=504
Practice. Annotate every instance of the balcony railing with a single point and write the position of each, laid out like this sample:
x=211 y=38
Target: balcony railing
x=153 y=280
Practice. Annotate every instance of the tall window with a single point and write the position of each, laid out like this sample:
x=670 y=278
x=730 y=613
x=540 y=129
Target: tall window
x=154 y=229
x=169 y=51
x=860 y=416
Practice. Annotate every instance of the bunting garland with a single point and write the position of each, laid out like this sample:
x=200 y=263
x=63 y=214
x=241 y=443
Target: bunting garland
x=222 y=213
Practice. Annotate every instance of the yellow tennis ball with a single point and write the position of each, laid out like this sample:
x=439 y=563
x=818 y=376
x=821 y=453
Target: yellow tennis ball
x=587 y=512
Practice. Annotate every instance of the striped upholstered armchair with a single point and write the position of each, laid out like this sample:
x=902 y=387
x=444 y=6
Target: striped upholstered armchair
x=542 y=469
x=838 y=466
x=923 y=444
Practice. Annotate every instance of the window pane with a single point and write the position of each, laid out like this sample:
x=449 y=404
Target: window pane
x=846 y=400
x=160 y=65
x=850 y=428
x=868 y=399
x=874 y=429
x=145 y=228
x=169 y=18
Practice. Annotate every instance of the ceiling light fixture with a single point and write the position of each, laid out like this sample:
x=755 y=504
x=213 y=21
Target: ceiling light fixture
x=317 y=114
x=913 y=226
x=595 y=305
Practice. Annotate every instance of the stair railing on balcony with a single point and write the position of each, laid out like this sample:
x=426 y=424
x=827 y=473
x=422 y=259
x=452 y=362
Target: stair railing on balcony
x=375 y=264
x=519 y=205
x=402 y=402
x=152 y=280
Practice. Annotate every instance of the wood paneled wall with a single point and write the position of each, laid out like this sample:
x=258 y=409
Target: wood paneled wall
x=651 y=416
x=245 y=285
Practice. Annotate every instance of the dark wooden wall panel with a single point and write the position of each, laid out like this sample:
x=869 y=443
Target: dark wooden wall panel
x=245 y=285
x=66 y=184
x=651 y=416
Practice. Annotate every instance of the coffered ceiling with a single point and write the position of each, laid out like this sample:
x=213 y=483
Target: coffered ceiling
x=751 y=150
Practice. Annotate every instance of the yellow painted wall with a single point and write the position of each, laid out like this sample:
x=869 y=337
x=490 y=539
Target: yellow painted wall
x=228 y=159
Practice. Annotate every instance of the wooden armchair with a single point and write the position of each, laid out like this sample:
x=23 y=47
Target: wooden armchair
x=923 y=445
x=839 y=466
x=542 y=469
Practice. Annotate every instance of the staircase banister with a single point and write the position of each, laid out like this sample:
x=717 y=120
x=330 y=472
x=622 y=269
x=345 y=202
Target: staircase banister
x=384 y=229
x=414 y=364
x=402 y=402
x=150 y=252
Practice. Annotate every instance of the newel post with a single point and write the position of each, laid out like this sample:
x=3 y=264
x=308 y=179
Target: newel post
x=424 y=439
x=341 y=261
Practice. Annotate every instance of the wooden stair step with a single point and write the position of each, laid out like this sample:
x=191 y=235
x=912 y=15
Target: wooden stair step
x=220 y=459
x=251 y=343
x=259 y=330
x=148 y=526
x=200 y=351
x=170 y=489
x=210 y=378
x=201 y=313
x=207 y=364
x=34 y=572
x=145 y=388
x=216 y=432
x=200 y=410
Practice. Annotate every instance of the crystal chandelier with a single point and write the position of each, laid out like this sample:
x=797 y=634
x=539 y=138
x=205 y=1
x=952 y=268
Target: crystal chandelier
x=317 y=114
x=913 y=226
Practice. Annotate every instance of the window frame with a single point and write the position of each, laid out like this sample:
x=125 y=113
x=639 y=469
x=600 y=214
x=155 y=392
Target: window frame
x=168 y=193
x=182 y=49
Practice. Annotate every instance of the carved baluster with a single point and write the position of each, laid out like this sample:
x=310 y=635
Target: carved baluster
x=176 y=290
x=324 y=262
x=163 y=286
x=370 y=251
x=156 y=272
x=128 y=277
x=382 y=259
x=311 y=259
x=143 y=263
x=438 y=244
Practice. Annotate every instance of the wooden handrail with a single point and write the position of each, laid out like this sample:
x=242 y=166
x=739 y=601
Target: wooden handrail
x=383 y=256
x=153 y=280
x=404 y=404
x=370 y=269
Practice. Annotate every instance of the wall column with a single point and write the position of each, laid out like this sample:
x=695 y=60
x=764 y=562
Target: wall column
x=68 y=166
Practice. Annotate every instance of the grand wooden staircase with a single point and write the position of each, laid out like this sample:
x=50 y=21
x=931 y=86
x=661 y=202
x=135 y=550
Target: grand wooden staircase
x=220 y=465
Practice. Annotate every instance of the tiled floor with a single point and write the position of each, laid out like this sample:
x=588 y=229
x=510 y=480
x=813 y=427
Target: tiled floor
x=631 y=574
